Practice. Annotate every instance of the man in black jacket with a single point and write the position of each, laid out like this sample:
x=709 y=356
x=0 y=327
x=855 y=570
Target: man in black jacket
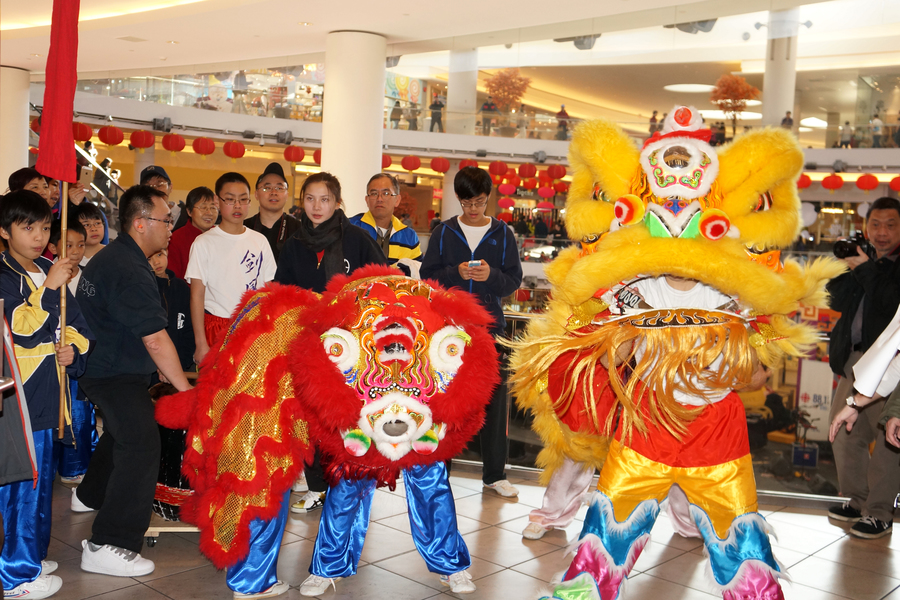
x=867 y=297
x=455 y=247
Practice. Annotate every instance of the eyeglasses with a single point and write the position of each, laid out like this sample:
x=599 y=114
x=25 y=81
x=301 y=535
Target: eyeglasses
x=233 y=201
x=93 y=224
x=385 y=194
x=478 y=204
x=160 y=185
x=169 y=221
x=273 y=188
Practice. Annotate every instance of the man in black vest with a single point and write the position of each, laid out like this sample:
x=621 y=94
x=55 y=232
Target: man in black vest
x=271 y=221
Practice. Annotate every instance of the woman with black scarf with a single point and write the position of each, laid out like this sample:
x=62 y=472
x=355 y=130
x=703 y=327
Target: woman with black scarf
x=326 y=244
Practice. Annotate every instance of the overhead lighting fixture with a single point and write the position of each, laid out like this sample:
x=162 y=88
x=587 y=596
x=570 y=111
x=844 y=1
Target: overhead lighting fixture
x=171 y=42
x=582 y=42
x=743 y=116
x=304 y=23
x=814 y=122
x=689 y=88
x=694 y=27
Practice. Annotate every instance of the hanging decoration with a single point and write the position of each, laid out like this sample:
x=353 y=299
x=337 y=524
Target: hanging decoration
x=506 y=202
x=234 y=150
x=203 y=146
x=411 y=163
x=514 y=180
x=546 y=192
x=561 y=187
x=317 y=156
x=544 y=177
x=173 y=143
x=527 y=170
x=498 y=167
x=82 y=131
x=141 y=139
x=506 y=189
x=386 y=161
x=530 y=184
x=895 y=184
x=36 y=125
x=497 y=179
x=440 y=164
x=804 y=182
x=546 y=206
x=833 y=182
x=294 y=154
x=111 y=135
x=468 y=162
x=556 y=171
x=867 y=182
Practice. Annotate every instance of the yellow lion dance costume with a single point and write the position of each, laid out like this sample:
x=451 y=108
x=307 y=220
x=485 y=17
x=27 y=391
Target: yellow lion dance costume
x=676 y=293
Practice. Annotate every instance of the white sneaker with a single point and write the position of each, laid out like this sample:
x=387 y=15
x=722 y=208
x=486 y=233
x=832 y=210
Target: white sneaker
x=310 y=502
x=316 y=586
x=115 y=561
x=77 y=505
x=48 y=566
x=278 y=589
x=534 y=531
x=42 y=587
x=460 y=582
x=76 y=479
x=503 y=487
x=300 y=485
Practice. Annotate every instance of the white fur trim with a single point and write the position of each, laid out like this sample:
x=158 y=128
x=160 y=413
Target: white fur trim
x=697 y=149
x=670 y=124
x=394 y=447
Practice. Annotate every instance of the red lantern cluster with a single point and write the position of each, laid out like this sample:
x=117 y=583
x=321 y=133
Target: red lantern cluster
x=468 y=162
x=111 y=135
x=234 y=150
x=440 y=164
x=173 y=142
x=203 y=146
x=82 y=132
x=141 y=139
x=867 y=182
x=294 y=154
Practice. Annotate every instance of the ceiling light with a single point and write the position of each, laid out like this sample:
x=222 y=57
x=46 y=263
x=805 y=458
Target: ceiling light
x=689 y=88
x=37 y=55
x=743 y=116
x=171 y=42
x=304 y=23
x=814 y=122
x=753 y=102
x=805 y=129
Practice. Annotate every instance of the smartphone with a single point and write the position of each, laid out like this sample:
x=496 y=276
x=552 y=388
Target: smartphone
x=474 y=263
x=85 y=177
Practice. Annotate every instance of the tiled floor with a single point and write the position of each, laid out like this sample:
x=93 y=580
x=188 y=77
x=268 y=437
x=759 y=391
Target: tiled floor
x=824 y=562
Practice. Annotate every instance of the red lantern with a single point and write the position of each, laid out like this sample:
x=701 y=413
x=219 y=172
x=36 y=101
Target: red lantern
x=498 y=167
x=556 y=171
x=895 y=184
x=82 y=132
x=514 y=180
x=527 y=170
x=36 y=125
x=468 y=162
x=523 y=295
x=173 y=142
x=294 y=154
x=530 y=184
x=203 y=146
x=440 y=164
x=544 y=176
x=496 y=179
x=833 y=182
x=561 y=187
x=386 y=161
x=506 y=189
x=233 y=150
x=546 y=206
x=867 y=182
x=411 y=163
x=141 y=139
x=111 y=135
x=546 y=192
x=804 y=182
x=33 y=150
x=506 y=202
x=317 y=156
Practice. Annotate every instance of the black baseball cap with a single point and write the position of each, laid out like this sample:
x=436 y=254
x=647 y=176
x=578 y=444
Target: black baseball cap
x=273 y=169
x=154 y=171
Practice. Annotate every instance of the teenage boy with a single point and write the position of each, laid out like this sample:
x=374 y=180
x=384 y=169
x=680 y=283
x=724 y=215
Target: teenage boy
x=225 y=262
x=72 y=460
x=272 y=194
x=202 y=211
x=30 y=287
x=478 y=254
x=175 y=295
x=396 y=240
x=91 y=217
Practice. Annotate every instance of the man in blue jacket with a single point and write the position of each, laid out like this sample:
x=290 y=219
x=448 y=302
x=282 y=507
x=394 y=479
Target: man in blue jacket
x=478 y=254
x=396 y=240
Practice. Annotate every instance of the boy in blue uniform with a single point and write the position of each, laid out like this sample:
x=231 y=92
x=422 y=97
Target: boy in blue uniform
x=30 y=286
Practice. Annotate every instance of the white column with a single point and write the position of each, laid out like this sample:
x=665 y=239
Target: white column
x=462 y=92
x=780 y=77
x=14 y=84
x=352 y=120
x=449 y=203
x=833 y=133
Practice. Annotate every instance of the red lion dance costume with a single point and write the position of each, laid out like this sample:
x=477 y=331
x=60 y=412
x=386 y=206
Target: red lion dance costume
x=677 y=289
x=384 y=374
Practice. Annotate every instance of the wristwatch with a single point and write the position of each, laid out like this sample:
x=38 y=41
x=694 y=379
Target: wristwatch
x=851 y=401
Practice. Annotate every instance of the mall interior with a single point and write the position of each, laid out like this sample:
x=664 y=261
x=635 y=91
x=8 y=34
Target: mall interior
x=354 y=88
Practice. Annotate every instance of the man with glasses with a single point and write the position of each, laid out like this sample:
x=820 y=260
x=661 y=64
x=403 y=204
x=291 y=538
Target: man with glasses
x=271 y=221
x=225 y=262
x=399 y=243
x=119 y=299
x=159 y=180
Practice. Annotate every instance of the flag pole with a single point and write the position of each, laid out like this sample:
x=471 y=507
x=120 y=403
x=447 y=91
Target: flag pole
x=63 y=384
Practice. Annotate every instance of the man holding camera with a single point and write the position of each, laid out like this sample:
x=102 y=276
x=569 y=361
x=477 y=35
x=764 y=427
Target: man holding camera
x=867 y=297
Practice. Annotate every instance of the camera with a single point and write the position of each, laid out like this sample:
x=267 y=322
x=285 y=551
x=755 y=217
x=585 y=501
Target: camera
x=845 y=248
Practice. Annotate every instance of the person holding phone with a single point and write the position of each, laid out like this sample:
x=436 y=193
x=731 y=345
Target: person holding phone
x=478 y=254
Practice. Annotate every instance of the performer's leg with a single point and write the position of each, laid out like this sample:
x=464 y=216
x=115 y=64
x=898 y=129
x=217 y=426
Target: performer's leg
x=851 y=449
x=563 y=496
x=23 y=518
x=494 y=434
x=74 y=460
x=257 y=572
x=43 y=446
x=432 y=518
x=342 y=528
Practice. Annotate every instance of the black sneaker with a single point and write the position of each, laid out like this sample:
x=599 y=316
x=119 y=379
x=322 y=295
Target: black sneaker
x=844 y=512
x=870 y=528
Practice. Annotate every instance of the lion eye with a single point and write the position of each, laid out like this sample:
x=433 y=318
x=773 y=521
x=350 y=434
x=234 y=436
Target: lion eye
x=447 y=348
x=341 y=347
x=764 y=203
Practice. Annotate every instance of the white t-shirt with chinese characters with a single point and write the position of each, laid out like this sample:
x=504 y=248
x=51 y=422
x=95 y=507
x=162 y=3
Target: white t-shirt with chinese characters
x=474 y=235
x=229 y=265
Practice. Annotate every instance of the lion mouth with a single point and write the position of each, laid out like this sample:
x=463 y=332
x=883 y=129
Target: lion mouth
x=396 y=424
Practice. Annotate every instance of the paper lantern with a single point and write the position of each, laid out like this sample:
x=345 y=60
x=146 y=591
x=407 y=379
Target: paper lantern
x=173 y=142
x=468 y=162
x=544 y=176
x=804 y=182
x=867 y=182
x=523 y=295
x=33 y=150
x=895 y=184
x=514 y=180
x=506 y=202
x=36 y=125
x=440 y=164
x=498 y=167
x=546 y=192
x=530 y=184
x=82 y=132
x=317 y=156
x=141 y=139
x=294 y=154
x=546 y=206
x=556 y=171
x=833 y=182
x=561 y=187
x=386 y=161
x=111 y=135
x=527 y=171
x=411 y=163
x=497 y=179
x=506 y=189
x=234 y=150
x=203 y=146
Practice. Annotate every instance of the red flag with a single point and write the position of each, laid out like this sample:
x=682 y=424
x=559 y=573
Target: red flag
x=57 y=146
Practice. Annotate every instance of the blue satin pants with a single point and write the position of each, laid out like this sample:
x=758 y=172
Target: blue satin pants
x=74 y=460
x=432 y=517
x=258 y=571
x=26 y=518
